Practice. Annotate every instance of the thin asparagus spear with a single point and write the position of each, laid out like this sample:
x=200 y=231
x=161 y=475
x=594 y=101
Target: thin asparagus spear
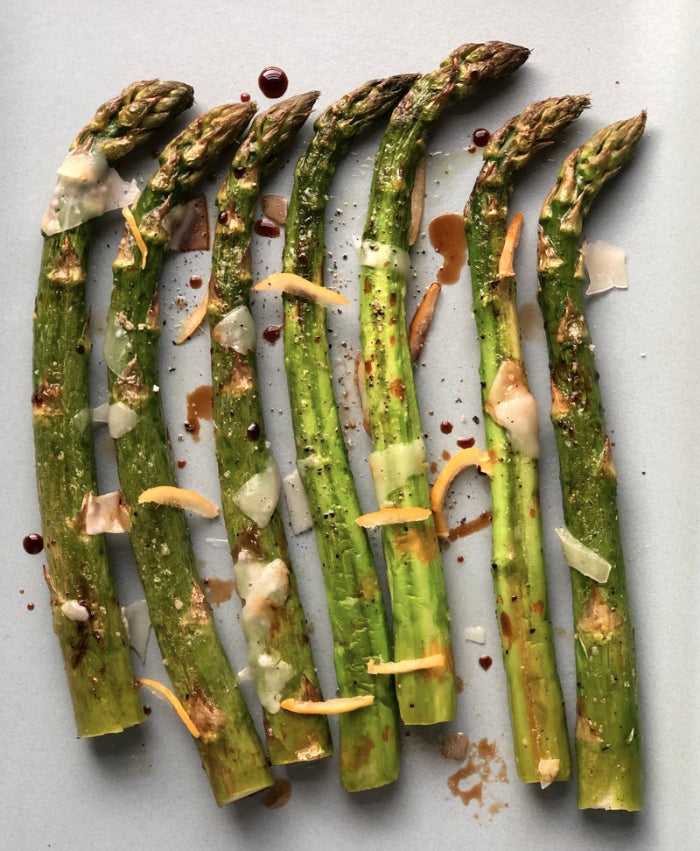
x=181 y=616
x=369 y=749
x=534 y=691
x=607 y=724
x=95 y=651
x=416 y=581
x=279 y=652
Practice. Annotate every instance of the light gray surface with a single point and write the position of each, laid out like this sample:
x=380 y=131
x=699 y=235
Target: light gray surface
x=57 y=63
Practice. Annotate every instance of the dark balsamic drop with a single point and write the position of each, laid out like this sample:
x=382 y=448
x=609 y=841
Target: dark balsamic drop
x=266 y=227
x=245 y=97
x=273 y=82
x=272 y=333
x=33 y=543
x=481 y=137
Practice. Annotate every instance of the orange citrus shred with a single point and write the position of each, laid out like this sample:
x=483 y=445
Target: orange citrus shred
x=472 y=457
x=505 y=264
x=179 y=498
x=437 y=660
x=193 y=320
x=174 y=702
x=136 y=233
x=388 y=516
x=291 y=284
x=335 y=706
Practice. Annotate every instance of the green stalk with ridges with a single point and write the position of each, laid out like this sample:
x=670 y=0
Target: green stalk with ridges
x=182 y=620
x=369 y=745
x=607 y=715
x=416 y=581
x=534 y=691
x=95 y=651
x=279 y=652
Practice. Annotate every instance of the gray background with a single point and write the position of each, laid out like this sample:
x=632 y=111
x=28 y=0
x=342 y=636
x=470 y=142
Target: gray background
x=57 y=63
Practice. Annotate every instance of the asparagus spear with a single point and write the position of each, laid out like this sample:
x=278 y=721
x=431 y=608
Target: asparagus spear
x=419 y=603
x=279 y=652
x=607 y=724
x=95 y=650
x=534 y=691
x=181 y=616
x=369 y=750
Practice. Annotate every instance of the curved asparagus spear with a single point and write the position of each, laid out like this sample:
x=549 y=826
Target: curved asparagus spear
x=534 y=691
x=181 y=616
x=96 y=652
x=607 y=724
x=369 y=750
x=279 y=652
x=419 y=603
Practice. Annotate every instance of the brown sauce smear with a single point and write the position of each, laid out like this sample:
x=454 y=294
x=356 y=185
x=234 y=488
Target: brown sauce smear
x=219 y=590
x=471 y=526
x=484 y=766
x=200 y=406
x=530 y=320
x=448 y=238
x=278 y=794
x=455 y=747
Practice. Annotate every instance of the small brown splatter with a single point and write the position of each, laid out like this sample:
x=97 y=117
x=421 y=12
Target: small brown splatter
x=485 y=662
x=465 y=442
x=446 y=427
x=445 y=455
x=471 y=526
x=278 y=794
x=30 y=606
x=530 y=320
x=474 y=781
x=181 y=464
x=200 y=406
x=459 y=685
x=272 y=333
x=455 y=747
x=448 y=238
x=219 y=590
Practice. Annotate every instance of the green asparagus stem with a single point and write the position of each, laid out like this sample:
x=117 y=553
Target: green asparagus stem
x=416 y=581
x=369 y=749
x=180 y=613
x=607 y=724
x=534 y=691
x=279 y=652
x=95 y=651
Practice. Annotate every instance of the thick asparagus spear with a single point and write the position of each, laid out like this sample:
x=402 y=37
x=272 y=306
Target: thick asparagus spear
x=95 y=649
x=181 y=616
x=369 y=750
x=607 y=724
x=279 y=652
x=534 y=691
x=416 y=581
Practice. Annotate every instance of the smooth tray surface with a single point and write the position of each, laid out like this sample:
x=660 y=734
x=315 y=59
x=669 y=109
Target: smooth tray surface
x=146 y=787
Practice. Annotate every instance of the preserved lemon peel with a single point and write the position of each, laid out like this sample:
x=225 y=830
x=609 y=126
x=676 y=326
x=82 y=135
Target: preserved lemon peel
x=437 y=660
x=173 y=701
x=471 y=457
x=179 y=498
x=291 y=284
x=505 y=263
x=334 y=706
x=389 y=516
x=133 y=229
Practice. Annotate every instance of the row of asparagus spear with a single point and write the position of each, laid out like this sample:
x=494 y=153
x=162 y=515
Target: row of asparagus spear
x=94 y=641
